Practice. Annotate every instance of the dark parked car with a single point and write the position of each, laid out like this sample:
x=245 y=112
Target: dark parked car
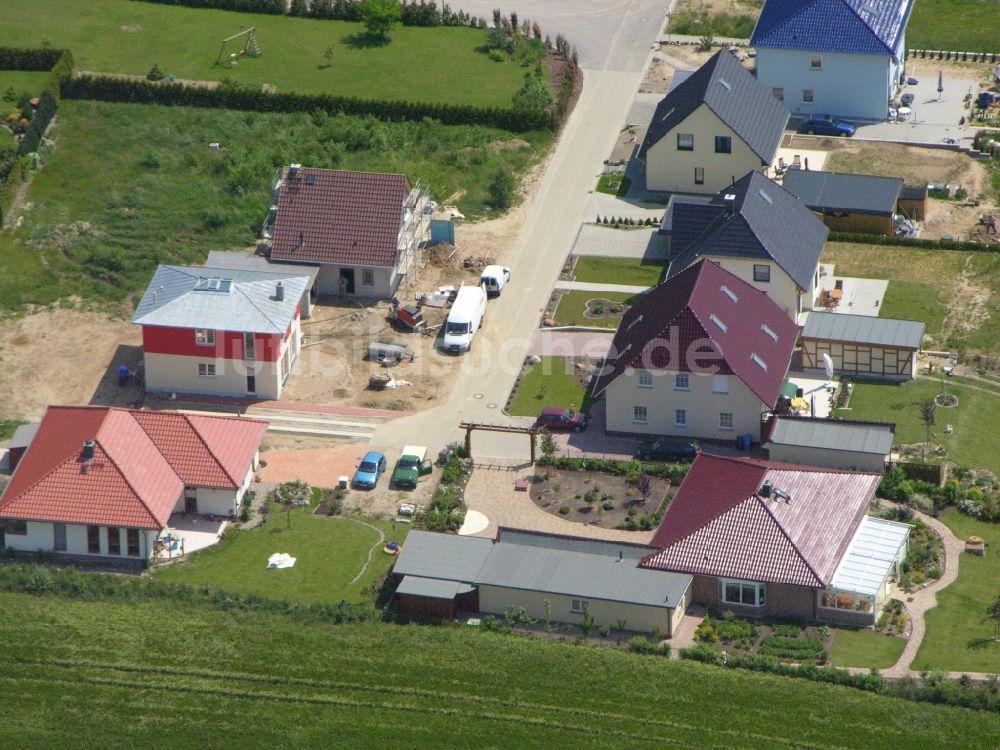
x=667 y=449
x=828 y=125
x=557 y=418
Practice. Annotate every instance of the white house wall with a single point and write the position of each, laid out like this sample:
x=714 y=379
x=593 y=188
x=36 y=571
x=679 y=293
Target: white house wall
x=385 y=280
x=41 y=536
x=848 y=86
x=170 y=373
x=701 y=404
x=670 y=169
x=850 y=460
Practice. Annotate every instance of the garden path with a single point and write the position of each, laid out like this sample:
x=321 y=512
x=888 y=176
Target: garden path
x=379 y=543
x=596 y=286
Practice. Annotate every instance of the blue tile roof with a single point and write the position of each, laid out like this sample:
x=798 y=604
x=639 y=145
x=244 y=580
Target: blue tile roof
x=733 y=94
x=865 y=27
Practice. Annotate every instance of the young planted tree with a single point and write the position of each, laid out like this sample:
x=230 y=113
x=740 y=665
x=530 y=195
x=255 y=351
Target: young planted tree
x=533 y=96
x=328 y=55
x=379 y=16
x=548 y=444
x=588 y=623
x=927 y=409
x=645 y=486
x=993 y=613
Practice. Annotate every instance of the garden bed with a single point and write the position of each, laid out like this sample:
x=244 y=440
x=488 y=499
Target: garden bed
x=601 y=499
x=785 y=640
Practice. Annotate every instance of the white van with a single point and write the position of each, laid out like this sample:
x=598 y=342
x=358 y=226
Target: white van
x=494 y=279
x=464 y=319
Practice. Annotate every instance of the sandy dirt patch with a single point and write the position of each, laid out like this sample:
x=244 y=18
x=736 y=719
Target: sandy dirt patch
x=968 y=309
x=65 y=357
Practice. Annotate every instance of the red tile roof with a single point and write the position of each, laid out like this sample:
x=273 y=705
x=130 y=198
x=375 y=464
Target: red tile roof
x=142 y=462
x=719 y=525
x=676 y=326
x=330 y=216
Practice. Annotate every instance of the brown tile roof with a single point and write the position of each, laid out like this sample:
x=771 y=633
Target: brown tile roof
x=331 y=216
x=719 y=525
x=681 y=317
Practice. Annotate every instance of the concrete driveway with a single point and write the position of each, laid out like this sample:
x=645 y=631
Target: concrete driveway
x=625 y=32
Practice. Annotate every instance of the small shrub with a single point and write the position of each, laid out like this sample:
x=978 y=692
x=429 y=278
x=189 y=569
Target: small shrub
x=642 y=645
x=563 y=510
x=155 y=73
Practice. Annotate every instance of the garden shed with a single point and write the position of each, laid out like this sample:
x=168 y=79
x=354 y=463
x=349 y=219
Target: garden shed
x=848 y=202
x=861 y=345
x=436 y=573
x=834 y=443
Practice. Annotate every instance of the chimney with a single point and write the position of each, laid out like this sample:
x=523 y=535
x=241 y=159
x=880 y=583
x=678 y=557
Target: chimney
x=765 y=489
x=730 y=201
x=88 y=450
x=293 y=170
x=279 y=291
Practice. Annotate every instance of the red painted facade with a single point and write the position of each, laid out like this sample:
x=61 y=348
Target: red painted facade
x=228 y=344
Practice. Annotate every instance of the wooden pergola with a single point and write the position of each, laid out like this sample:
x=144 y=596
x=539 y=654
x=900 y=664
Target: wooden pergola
x=531 y=432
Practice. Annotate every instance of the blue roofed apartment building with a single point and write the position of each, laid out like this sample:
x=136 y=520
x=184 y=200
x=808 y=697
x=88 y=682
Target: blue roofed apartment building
x=838 y=57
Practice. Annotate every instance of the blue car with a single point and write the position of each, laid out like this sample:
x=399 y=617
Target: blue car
x=371 y=468
x=828 y=125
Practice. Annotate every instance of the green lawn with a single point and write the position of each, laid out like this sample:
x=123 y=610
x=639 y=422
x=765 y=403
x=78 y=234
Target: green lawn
x=927 y=284
x=164 y=674
x=330 y=552
x=958 y=25
x=958 y=638
x=148 y=190
x=613 y=184
x=439 y=64
x=22 y=81
x=630 y=271
x=572 y=306
x=976 y=419
x=865 y=648
x=548 y=384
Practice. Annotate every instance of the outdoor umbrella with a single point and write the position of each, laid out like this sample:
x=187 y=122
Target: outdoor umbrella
x=940 y=83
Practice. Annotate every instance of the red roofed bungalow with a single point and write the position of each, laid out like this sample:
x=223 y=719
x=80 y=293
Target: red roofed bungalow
x=362 y=229
x=703 y=354
x=765 y=538
x=101 y=483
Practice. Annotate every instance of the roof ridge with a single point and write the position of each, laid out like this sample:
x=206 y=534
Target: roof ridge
x=866 y=24
x=784 y=533
x=268 y=318
x=98 y=441
x=211 y=453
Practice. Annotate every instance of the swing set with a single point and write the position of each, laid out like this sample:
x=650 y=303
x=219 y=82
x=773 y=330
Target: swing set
x=250 y=47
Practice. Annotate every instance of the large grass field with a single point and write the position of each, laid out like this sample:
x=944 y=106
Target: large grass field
x=956 y=294
x=148 y=190
x=958 y=636
x=548 y=384
x=959 y=25
x=120 y=36
x=975 y=421
x=329 y=552
x=101 y=675
x=630 y=271
x=865 y=648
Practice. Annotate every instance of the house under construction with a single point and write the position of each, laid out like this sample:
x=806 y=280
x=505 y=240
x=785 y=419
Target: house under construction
x=362 y=229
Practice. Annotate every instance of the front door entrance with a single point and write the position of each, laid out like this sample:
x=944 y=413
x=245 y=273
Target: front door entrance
x=251 y=381
x=347 y=281
x=190 y=500
x=59 y=537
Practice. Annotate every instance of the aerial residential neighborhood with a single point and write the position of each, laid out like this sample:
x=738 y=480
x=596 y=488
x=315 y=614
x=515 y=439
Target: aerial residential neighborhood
x=387 y=372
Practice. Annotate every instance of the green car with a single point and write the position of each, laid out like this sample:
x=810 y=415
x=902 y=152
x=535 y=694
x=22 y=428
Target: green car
x=412 y=465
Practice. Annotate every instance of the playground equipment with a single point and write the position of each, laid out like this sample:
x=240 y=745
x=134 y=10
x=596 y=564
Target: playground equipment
x=250 y=46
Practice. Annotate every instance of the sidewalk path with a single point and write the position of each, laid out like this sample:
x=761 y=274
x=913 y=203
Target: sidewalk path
x=591 y=286
x=593 y=344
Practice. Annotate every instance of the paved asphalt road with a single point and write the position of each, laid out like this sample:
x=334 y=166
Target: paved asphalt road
x=616 y=38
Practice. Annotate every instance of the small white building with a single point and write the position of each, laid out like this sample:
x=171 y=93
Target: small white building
x=833 y=443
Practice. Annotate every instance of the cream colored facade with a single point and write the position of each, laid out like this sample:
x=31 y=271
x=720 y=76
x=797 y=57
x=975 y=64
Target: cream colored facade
x=219 y=502
x=780 y=288
x=638 y=617
x=41 y=536
x=834 y=459
x=667 y=168
x=702 y=406
x=177 y=373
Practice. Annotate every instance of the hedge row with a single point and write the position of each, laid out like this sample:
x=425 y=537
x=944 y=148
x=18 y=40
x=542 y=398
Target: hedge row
x=40 y=120
x=107 y=88
x=273 y=7
x=882 y=239
x=8 y=188
x=37 y=58
x=74 y=584
x=674 y=472
x=414 y=12
x=61 y=71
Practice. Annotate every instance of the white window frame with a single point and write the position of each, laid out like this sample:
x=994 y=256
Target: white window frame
x=689 y=138
x=640 y=415
x=645 y=379
x=726 y=416
x=680 y=418
x=815 y=62
x=808 y=96
x=206 y=369
x=720 y=384
x=204 y=337
x=578 y=606
x=699 y=175
x=367 y=277
x=682 y=381
x=757 y=589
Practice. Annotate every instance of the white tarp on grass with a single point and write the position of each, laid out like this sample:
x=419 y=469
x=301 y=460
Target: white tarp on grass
x=280 y=560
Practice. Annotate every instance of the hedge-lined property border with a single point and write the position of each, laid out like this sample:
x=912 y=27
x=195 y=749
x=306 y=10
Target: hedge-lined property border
x=881 y=239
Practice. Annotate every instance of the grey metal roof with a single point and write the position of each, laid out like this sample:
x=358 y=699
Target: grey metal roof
x=23 y=435
x=432 y=588
x=764 y=221
x=864 y=329
x=582 y=568
x=444 y=556
x=833 y=434
x=734 y=95
x=249 y=304
x=248 y=262
x=850 y=193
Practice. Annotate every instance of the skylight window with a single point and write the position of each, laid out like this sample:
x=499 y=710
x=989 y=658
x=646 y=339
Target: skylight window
x=766 y=197
x=715 y=319
x=759 y=362
x=725 y=84
x=769 y=331
x=730 y=293
x=212 y=284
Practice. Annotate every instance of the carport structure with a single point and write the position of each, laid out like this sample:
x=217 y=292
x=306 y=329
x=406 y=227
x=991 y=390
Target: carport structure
x=531 y=432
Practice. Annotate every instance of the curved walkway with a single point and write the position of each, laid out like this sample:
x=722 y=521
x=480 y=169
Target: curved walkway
x=381 y=541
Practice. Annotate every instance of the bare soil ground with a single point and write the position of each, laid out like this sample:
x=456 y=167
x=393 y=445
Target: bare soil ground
x=553 y=489
x=712 y=7
x=65 y=356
